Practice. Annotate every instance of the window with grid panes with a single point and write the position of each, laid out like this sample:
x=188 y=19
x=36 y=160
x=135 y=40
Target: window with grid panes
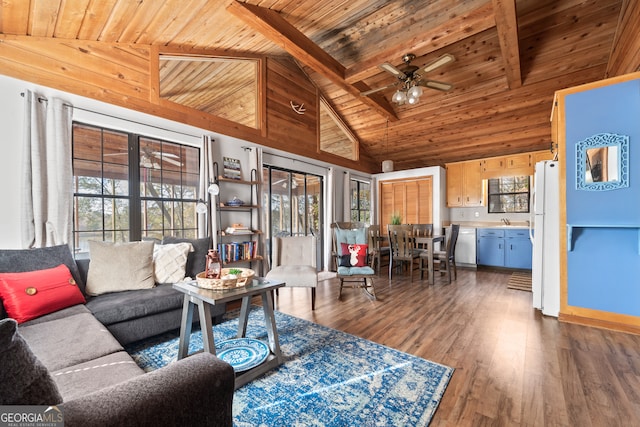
x=509 y=194
x=360 y=201
x=128 y=187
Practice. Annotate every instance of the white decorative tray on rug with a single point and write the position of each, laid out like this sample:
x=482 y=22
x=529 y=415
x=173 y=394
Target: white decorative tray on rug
x=243 y=353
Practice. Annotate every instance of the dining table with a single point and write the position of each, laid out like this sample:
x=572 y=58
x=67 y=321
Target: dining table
x=426 y=245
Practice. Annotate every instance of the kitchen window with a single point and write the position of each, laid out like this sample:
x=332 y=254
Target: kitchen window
x=509 y=194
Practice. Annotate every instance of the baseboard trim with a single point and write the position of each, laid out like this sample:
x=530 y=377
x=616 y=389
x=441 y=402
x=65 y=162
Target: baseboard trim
x=597 y=323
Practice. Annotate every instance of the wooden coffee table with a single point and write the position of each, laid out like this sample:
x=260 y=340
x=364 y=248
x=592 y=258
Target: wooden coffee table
x=203 y=299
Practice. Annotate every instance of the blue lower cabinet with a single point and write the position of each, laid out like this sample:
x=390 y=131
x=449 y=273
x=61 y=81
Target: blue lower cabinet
x=490 y=251
x=504 y=248
x=518 y=253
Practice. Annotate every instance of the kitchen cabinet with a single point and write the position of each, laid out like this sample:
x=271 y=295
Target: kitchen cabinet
x=511 y=165
x=464 y=184
x=539 y=156
x=518 y=249
x=509 y=248
x=490 y=247
x=520 y=162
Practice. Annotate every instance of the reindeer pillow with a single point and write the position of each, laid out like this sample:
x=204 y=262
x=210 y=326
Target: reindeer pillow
x=355 y=255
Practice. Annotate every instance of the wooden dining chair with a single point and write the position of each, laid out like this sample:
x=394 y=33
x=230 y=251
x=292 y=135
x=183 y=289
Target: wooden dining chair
x=447 y=258
x=377 y=248
x=402 y=248
x=422 y=230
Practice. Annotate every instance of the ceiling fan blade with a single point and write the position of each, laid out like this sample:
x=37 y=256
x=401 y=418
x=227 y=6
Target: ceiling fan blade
x=167 y=157
x=393 y=70
x=369 y=92
x=433 y=84
x=443 y=60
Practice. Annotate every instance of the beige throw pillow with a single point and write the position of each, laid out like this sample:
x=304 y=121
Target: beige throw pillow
x=117 y=267
x=170 y=262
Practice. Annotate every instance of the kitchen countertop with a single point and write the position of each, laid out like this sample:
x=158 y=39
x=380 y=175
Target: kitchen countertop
x=488 y=224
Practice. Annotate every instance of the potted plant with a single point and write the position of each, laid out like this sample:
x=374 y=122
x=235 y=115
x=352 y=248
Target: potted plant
x=396 y=219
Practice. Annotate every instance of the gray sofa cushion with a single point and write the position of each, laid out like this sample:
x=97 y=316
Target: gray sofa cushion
x=79 y=380
x=22 y=260
x=69 y=341
x=23 y=378
x=197 y=260
x=122 y=306
x=65 y=312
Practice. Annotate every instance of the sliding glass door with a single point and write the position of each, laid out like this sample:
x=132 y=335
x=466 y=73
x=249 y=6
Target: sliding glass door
x=293 y=204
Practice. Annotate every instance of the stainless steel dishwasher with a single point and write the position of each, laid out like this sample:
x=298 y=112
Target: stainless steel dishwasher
x=466 y=247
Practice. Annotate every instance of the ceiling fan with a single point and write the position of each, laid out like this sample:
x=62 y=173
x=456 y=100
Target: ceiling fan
x=410 y=79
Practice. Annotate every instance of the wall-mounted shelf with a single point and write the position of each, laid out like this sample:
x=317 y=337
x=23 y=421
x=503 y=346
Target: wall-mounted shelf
x=224 y=207
x=571 y=227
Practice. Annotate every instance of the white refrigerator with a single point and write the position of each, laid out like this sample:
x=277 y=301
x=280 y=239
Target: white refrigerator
x=544 y=234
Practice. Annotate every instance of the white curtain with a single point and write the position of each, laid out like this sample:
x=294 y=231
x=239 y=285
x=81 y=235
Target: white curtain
x=346 y=207
x=207 y=224
x=47 y=183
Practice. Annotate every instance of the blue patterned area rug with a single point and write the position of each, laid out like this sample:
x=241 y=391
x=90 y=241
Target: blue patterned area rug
x=328 y=378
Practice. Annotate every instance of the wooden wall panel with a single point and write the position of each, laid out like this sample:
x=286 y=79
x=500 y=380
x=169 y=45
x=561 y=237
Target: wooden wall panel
x=119 y=74
x=286 y=84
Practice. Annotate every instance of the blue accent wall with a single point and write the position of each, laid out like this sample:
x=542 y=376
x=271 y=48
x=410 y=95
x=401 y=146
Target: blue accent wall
x=604 y=265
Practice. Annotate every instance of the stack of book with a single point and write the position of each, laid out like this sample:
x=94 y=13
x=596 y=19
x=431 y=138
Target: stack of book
x=237 y=251
x=238 y=229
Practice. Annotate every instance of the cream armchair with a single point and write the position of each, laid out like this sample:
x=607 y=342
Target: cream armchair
x=294 y=263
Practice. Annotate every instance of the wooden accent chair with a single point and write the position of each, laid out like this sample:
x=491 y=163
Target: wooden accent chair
x=353 y=264
x=402 y=248
x=447 y=258
x=294 y=263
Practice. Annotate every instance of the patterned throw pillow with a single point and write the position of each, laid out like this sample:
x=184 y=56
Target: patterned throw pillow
x=197 y=260
x=32 y=294
x=354 y=255
x=170 y=261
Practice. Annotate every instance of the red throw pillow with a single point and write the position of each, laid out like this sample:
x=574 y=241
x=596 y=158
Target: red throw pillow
x=356 y=252
x=32 y=294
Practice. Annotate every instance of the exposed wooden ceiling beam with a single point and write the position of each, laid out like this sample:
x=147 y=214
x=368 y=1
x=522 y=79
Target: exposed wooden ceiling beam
x=456 y=29
x=507 y=26
x=274 y=27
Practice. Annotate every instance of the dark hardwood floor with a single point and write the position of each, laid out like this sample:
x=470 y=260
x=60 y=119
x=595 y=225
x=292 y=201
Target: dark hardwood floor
x=513 y=366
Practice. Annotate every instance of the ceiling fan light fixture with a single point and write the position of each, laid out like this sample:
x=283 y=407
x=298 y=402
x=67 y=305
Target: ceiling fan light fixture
x=399 y=97
x=412 y=100
x=415 y=92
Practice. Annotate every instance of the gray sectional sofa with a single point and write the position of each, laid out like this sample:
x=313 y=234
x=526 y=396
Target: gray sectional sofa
x=97 y=382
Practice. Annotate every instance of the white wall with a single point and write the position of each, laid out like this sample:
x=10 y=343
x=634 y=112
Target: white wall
x=11 y=122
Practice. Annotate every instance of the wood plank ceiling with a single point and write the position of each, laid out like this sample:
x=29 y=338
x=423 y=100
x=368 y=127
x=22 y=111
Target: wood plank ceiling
x=511 y=56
